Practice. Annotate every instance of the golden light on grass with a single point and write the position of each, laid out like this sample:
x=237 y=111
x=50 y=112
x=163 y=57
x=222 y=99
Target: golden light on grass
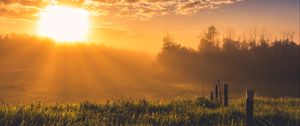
x=64 y=24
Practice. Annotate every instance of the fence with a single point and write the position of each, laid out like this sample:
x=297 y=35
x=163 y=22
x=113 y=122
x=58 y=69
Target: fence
x=217 y=96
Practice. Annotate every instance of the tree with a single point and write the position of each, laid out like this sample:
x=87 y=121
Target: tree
x=208 y=43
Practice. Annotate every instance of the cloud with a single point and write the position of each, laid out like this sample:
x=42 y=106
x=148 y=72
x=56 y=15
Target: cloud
x=19 y=11
x=25 y=9
x=121 y=8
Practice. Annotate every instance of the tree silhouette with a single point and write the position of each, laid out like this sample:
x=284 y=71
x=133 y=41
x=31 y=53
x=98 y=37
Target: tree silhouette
x=243 y=59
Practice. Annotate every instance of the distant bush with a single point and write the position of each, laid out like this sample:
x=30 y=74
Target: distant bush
x=203 y=102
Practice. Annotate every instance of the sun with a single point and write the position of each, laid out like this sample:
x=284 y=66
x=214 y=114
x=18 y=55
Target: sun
x=64 y=24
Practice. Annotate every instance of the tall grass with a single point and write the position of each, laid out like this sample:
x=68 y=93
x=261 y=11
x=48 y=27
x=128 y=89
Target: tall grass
x=267 y=111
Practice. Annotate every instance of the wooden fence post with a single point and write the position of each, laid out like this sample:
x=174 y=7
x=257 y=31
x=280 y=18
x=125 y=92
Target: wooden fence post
x=211 y=95
x=249 y=107
x=225 y=95
x=220 y=92
x=216 y=93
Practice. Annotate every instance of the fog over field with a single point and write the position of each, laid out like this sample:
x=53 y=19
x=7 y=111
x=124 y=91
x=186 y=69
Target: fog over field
x=36 y=69
x=43 y=71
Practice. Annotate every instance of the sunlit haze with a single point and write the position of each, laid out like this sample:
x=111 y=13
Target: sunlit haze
x=96 y=49
x=138 y=24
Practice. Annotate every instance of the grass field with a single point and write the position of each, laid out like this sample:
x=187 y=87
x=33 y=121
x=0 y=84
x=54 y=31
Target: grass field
x=267 y=111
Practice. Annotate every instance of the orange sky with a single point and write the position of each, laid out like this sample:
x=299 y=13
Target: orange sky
x=141 y=24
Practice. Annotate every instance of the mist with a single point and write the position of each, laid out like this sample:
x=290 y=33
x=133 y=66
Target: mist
x=37 y=69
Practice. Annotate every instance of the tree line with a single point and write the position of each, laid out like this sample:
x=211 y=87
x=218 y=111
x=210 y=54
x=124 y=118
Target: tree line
x=231 y=59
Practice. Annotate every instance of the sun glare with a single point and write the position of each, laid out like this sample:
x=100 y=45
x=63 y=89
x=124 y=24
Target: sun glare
x=64 y=24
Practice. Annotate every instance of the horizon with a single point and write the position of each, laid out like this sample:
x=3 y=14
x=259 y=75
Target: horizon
x=146 y=27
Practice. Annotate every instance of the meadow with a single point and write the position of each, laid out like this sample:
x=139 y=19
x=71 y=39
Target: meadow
x=200 y=111
x=149 y=63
